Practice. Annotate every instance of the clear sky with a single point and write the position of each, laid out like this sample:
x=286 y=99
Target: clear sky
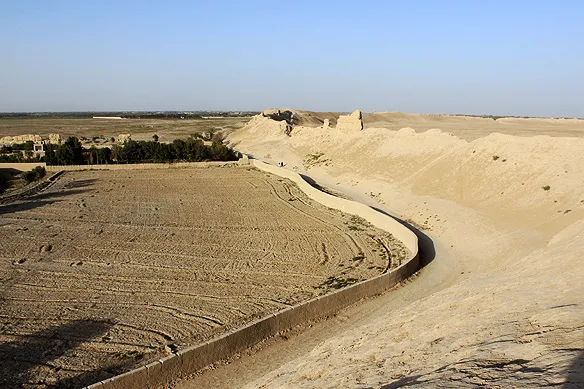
x=478 y=57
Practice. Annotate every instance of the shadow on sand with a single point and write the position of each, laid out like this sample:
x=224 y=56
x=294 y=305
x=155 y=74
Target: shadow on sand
x=426 y=248
x=574 y=378
x=37 y=200
x=427 y=252
x=21 y=358
x=575 y=373
x=80 y=183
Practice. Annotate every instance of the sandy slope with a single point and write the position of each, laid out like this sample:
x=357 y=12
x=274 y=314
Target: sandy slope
x=500 y=305
x=470 y=128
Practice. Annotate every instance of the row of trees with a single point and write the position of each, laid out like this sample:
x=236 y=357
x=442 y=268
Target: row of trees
x=21 y=152
x=26 y=156
x=71 y=152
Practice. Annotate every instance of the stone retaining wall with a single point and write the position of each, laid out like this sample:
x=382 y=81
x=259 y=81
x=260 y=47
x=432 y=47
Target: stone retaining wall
x=348 y=206
x=38 y=187
x=191 y=359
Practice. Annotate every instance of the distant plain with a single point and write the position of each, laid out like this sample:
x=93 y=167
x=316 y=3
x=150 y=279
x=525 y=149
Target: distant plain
x=140 y=129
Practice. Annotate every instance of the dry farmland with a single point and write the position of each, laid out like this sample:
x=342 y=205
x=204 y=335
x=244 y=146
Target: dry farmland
x=106 y=270
x=140 y=129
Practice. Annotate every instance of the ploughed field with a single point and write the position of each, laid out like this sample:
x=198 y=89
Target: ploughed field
x=106 y=270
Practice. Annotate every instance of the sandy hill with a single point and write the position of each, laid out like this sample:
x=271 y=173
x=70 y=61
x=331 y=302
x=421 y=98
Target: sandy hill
x=470 y=127
x=500 y=302
x=301 y=118
x=465 y=127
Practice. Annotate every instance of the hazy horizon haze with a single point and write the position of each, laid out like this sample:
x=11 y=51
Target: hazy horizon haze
x=503 y=58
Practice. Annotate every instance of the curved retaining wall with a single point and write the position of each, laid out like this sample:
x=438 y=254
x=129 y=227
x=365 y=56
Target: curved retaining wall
x=191 y=359
x=409 y=239
x=39 y=187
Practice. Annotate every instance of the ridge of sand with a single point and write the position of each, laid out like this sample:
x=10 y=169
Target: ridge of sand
x=501 y=303
x=465 y=127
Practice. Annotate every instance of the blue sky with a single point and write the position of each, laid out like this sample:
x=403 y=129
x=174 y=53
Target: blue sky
x=476 y=57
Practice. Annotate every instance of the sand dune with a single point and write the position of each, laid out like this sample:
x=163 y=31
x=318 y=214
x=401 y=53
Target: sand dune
x=470 y=127
x=501 y=302
x=465 y=127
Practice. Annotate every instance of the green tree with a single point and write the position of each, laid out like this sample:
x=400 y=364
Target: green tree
x=104 y=155
x=50 y=157
x=179 y=149
x=35 y=174
x=195 y=150
x=119 y=154
x=70 y=152
x=133 y=151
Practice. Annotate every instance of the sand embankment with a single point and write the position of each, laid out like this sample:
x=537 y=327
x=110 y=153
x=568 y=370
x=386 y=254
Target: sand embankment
x=501 y=302
x=472 y=127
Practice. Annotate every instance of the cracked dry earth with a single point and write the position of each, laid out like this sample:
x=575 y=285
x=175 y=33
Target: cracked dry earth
x=106 y=270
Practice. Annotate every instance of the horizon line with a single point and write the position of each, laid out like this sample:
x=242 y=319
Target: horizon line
x=484 y=115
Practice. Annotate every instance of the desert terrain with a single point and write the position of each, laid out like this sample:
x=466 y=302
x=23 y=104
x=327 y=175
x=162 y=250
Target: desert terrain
x=499 y=205
x=106 y=270
x=471 y=127
x=140 y=129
